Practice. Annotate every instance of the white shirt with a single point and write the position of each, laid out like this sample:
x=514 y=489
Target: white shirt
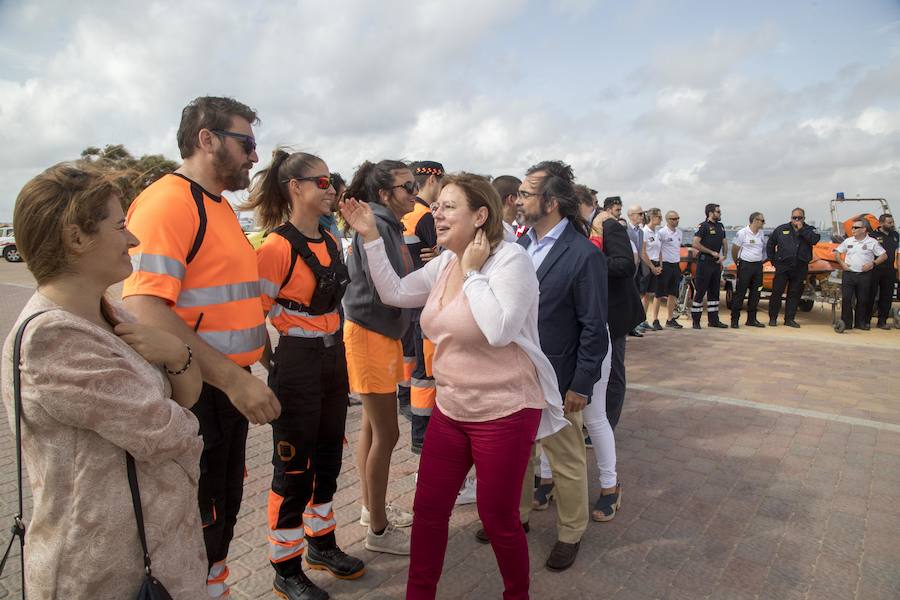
x=509 y=232
x=752 y=245
x=859 y=252
x=669 y=244
x=651 y=241
x=503 y=299
x=540 y=248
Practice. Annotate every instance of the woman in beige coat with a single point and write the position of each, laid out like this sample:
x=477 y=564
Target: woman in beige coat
x=95 y=385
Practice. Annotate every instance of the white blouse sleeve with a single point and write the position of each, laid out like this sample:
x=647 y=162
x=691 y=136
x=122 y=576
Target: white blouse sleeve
x=501 y=299
x=410 y=291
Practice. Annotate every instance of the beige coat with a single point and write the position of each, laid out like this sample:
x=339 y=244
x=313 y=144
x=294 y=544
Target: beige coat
x=87 y=398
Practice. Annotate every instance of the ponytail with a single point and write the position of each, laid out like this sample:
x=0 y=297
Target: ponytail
x=370 y=178
x=269 y=197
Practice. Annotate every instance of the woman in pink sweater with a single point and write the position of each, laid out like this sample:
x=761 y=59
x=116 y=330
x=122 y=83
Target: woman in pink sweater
x=496 y=391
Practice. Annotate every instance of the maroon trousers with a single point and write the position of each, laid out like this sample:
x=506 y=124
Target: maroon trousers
x=500 y=450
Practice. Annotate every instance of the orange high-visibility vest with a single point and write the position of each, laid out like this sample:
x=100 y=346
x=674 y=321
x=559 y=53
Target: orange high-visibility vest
x=194 y=255
x=274 y=260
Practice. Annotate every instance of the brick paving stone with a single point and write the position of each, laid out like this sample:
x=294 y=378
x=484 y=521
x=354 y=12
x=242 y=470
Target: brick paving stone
x=720 y=501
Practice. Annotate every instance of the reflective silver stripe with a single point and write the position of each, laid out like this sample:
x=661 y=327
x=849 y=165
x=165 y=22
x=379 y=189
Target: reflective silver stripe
x=422 y=412
x=422 y=383
x=157 y=263
x=269 y=288
x=411 y=239
x=236 y=341
x=285 y=543
x=318 y=518
x=218 y=294
x=306 y=333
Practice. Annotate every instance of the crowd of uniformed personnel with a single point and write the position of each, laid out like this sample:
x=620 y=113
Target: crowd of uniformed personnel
x=196 y=277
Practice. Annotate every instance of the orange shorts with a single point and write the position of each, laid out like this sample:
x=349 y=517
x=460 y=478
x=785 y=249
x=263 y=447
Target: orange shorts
x=374 y=361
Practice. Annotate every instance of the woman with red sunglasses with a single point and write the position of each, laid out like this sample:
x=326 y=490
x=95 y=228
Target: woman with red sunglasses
x=302 y=279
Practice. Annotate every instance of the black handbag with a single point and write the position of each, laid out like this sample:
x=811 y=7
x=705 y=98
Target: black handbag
x=151 y=588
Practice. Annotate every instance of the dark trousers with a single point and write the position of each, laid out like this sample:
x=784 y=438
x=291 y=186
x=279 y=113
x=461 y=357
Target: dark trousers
x=409 y=357
x=423 y=390
x=793 y=279
x=856 y=290
x=883 y=281
x=706 y=283
x=224 y=431
x=615 y=391
x=310 y=382
x=749 y=277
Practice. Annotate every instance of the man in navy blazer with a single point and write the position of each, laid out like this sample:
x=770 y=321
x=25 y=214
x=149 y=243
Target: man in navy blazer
x=572 y=325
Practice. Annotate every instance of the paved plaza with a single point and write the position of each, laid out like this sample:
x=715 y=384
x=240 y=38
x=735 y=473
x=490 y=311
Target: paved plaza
x=754 y=464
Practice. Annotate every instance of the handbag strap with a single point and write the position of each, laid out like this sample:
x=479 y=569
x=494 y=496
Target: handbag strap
x=18 y=529
x=138 y=511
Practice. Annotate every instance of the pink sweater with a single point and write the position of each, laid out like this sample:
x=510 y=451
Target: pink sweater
x=475 y=381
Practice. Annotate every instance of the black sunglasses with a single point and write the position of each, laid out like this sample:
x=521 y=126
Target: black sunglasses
x=247 y=141
x=857 y=227
x=323 y=182
x=411 y=187
x=797 y=218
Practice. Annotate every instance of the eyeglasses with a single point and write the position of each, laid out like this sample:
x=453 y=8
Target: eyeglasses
x=411 y=187
x=247 y=141
x=525 y=195
x=857 y=227
x=760 y=220
x=673 y=218
x=323 y=182
x=797 y=218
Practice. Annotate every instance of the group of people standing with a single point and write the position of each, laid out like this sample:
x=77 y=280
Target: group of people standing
x=502 y=305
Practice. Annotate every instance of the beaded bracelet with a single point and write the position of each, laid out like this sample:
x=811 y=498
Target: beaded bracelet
x=186 y=366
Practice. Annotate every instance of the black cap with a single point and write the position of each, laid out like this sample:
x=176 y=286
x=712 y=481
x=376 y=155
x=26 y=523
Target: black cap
x=427 y=167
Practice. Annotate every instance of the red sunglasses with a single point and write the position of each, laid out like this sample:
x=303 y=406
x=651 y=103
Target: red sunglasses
x=323 y=182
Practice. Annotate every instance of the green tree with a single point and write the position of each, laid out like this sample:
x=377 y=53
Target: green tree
x=133 y=174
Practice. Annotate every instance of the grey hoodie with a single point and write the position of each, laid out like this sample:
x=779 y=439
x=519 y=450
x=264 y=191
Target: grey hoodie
x=361 y=302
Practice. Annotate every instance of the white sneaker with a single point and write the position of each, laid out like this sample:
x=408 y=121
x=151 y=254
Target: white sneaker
x=399 y=518
x=391 y=541
x=467 y=492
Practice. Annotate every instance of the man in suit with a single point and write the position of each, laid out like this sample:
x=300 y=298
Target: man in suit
x=572 y=324
x=625 y=308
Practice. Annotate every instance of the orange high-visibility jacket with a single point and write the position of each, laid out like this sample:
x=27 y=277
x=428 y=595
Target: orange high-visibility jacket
x=200 y=263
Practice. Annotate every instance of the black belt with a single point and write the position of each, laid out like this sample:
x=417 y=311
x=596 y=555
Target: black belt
x=751 y=262
x=328 y=340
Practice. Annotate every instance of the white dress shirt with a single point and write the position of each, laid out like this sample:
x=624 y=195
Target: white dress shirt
x=752 y=245
x=859 y=252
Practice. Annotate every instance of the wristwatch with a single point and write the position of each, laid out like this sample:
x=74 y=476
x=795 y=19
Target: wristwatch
x=470 y=273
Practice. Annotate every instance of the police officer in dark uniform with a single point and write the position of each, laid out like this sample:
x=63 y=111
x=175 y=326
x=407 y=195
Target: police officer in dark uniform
x=884 y=274
x=789 y=250
x=709 y=242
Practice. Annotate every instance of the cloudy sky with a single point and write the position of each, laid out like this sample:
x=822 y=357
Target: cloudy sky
x=762 y=105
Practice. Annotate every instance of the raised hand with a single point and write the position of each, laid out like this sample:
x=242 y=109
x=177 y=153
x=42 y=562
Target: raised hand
x=476 y=253
x=360 y=217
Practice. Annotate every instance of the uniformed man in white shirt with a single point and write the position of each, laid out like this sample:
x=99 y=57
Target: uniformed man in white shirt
x=748 y=250
x=860 y=255
x=647 y=286
x=670 y=256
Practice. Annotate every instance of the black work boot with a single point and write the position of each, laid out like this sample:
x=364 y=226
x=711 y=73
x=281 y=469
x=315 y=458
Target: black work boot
x=735 y=324
x=697 y=322
x=297 y=587
x=335 y=561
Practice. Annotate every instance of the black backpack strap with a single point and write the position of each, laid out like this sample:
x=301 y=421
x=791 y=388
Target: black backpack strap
x=197 y=194
x=18 y=529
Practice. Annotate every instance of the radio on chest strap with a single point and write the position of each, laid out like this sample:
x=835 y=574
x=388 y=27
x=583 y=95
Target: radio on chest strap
x=331 y=281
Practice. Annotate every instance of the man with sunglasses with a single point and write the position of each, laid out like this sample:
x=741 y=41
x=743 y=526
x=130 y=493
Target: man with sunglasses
x=670 y=239
x=748 y=250
x=709 y=243
x=789 y=249
x=196 y=276
x=861 y=254
x=884 y=277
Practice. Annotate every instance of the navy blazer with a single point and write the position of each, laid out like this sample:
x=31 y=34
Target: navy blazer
x=625 y=308
x=572 y=310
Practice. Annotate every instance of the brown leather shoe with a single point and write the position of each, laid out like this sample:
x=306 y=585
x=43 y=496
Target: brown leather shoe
x=562 y=556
